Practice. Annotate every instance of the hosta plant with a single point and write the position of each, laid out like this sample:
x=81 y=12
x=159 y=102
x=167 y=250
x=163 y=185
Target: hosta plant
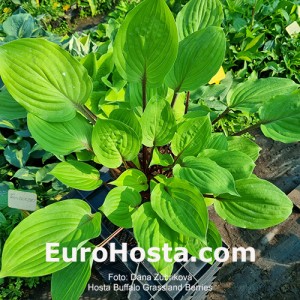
x=168 y=162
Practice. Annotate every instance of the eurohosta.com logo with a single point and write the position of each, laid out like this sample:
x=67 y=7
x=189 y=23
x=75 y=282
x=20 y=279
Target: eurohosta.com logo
x=54 y=253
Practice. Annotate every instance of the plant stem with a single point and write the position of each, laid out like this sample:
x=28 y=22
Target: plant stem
x=247 y=129
x=187 y=102
x=175 y=95
x=150 y=157
x=103 y=243
x=90 y=113
x=144 y=162
x=222 y=115
x=82 y=110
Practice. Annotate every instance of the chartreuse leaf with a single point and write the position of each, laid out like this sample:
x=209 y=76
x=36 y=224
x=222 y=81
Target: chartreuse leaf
x=117 y=140
x=214 y=241
x=260 y=205
x=61 y=138
x=150 y=231
x=132 y=178
x=239 y=164
x=198 y=14
x=200 y=56
x=191 y=137
x=250 y=95
x=69 y=223
x=10 y=109
x=127 y=117
x=206 y=175
x=70 y=282
x=77 y=175
x=243 y=144
x=161 y=159
x=281 y=118
x=119 y=205
x=146 y=44
x=45 y=79
x=181 y=206
x=158 y=123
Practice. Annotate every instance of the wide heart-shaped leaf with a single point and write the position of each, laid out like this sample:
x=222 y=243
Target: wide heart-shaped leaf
x=132 y=178
x=10 y=109
x=61 y=138
x=119 y=205
x=45 y=79
x=114 y=141
x=243 y=144
x=239 y=164
x=70 y=282
x=158 y=123
x=260 y=205
x=69 y=223
x=198 y=14
x=250 y=95
x=281 y=118
x=77 y=175
x=200 y=56
x=150 y=231
x=181 y=206
x=129 y=118
x=191 y=136
x=214 y=241
x=206 y=175
x=218 y=141
x=146 y=45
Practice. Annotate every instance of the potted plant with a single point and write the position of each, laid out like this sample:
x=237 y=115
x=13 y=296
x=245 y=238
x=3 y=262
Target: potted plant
x=168 y=162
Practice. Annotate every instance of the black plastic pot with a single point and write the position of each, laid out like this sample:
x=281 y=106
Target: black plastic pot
x=189 y=280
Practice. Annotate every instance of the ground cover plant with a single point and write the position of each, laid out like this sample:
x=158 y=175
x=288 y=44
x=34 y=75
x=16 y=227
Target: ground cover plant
x=128 y=107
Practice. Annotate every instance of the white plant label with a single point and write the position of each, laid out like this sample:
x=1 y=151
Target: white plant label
x=22 y=200
x=293 y=28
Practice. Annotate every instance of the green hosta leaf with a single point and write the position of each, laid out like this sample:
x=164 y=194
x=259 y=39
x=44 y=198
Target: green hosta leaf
x=198 y=14
x=214 y=241
x=217 y=141
x=191 y=137
x=180 y=205
x=17 y=155
x=69 y=223
x=45 y=79
x=161 y=159
x=146 y=44
x=158 y=123
x=200 y=56
x=260 y=205
x=10 y=109
x=207 y=175
x=239 y=164
x=70 y=282
x=120 y=203
x=105 y=65
x=250 y=95
x=150 y=231
x=132 y=178
x=77 y=175
x=114 y=141
x=127 y=117
x=281 y=118
x=243 y=144
x=61 y=138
